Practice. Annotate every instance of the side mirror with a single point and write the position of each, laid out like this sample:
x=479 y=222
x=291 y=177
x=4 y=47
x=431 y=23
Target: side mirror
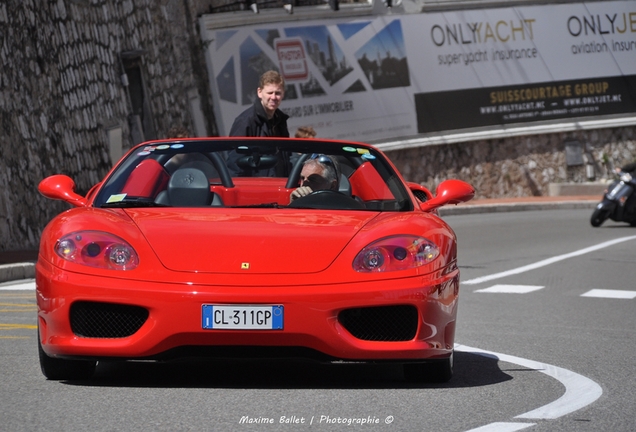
x=61 y=187
x=449 y=192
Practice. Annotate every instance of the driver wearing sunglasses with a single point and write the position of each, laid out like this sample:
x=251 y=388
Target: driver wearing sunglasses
x=320 y=172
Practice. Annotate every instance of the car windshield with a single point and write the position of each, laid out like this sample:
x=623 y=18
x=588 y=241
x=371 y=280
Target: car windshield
x=256 y=172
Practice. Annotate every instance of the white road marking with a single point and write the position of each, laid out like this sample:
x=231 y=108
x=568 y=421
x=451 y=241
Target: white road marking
x=605 y=293
x=502 y=427
x=580 y=391
x=511 y=289
x=546 y=262
x=25 y=284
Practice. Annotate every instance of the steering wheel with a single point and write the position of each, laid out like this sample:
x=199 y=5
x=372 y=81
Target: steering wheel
x=294 y=175
x=327 y=199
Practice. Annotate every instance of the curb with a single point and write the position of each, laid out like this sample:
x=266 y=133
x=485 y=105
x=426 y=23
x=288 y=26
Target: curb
x=462 y=209
x=17 y=271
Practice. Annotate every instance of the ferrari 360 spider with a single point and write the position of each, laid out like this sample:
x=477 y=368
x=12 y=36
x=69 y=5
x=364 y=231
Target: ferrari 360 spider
x=200 y=246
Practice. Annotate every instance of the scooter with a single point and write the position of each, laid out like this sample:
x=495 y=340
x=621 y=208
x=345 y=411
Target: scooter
x=619 y=202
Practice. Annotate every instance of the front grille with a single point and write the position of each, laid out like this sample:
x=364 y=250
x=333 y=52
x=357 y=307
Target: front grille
x=382 y=323
x=106 y=320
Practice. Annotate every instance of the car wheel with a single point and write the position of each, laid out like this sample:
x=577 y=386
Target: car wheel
x=433 y=371
x=61 y=369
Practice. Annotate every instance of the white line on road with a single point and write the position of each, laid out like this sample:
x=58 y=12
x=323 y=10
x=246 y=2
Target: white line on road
x=502 y=427
x=580 y=391
x=605 y=293
x=26 y=284
x=511 y=289
x=546 y=262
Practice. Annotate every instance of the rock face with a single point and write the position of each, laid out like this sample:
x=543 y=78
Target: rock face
x=63 y=69
x=74 y=74
x=520 y=166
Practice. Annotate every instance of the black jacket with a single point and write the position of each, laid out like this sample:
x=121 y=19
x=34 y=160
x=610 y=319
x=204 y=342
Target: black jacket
x=253 y=122
x=630 y=168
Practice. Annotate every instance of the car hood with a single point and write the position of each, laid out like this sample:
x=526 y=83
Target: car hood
x=236 y=240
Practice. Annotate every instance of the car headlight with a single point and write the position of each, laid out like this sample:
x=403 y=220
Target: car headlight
x=97 y=249
x=394 y=253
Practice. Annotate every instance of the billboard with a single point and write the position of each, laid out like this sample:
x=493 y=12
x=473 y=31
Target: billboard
x=400 y=75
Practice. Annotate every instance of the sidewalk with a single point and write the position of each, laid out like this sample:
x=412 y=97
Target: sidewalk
x=19 y=265
x=498 y=205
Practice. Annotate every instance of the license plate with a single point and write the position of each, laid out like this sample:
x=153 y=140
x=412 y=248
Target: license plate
x=242 y=317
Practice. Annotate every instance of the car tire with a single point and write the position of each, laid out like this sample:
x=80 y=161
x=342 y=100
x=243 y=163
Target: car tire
x=599 y=216
x=62 y=369
x=433 y=371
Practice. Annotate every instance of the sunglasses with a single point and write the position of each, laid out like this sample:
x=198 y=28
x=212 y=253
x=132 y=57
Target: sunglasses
x=323 y=159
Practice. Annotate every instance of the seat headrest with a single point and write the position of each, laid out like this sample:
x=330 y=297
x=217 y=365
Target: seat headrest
x=205 y=166
x=189 y=187
x=344 y=186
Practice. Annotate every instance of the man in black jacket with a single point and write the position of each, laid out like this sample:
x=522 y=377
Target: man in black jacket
x=629 y=168
x=263 y=119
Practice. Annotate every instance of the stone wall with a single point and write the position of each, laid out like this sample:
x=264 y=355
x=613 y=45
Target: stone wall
x=61 y=91
x=519 y=166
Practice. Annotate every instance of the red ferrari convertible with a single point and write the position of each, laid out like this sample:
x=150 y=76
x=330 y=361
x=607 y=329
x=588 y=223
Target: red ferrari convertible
x=249 y=247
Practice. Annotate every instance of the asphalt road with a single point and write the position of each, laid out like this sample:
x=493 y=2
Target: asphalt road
x=559 y=354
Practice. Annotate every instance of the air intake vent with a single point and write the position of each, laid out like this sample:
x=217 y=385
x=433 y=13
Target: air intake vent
x=420 y=195
x=106 y=320
x=383 y=323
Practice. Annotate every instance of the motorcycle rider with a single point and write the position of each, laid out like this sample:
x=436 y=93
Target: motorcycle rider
x=630 y=204
x=629 y=168
x=619 y=200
